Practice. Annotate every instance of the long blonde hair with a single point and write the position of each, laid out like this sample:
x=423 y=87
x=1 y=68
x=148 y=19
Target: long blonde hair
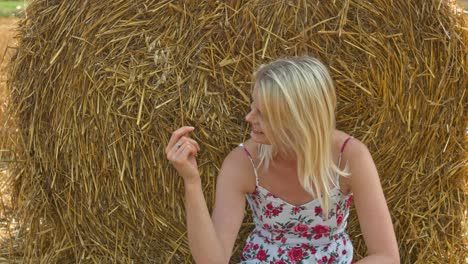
x=298 y=100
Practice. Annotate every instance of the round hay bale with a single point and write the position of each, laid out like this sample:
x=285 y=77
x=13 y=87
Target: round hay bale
x=97 y=87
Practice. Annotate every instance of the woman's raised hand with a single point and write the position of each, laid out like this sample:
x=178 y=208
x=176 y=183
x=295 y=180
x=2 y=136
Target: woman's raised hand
x=181 y=151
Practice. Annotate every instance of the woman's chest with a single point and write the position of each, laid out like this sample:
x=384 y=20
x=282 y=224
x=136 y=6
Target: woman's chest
x=284 y=184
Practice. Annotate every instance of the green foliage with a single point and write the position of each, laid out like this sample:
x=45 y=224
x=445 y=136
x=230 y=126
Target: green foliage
x=10 y=8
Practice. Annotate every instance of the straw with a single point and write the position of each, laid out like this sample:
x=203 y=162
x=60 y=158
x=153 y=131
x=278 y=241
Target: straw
x=97 y=87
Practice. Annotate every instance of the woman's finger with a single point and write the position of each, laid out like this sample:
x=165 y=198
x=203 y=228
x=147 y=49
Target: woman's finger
x=171 y=153
x=195 y=143
x=176 y=154
x=185 y=150
x=192 y=141
x=176 y=135
x=184 y=139
x=187 y=146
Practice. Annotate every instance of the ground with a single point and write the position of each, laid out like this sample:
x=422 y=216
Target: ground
x=6 y=40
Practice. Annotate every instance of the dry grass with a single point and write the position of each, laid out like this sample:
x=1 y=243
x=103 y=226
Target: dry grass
x=7 y=27
x=7 y=44
x=99 y=88
x=7 y=48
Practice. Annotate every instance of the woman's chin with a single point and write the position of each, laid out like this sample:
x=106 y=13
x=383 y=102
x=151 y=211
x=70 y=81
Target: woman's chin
x=259 y=138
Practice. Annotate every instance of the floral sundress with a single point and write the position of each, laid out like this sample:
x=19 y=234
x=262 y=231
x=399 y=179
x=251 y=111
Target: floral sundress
x=285 y=233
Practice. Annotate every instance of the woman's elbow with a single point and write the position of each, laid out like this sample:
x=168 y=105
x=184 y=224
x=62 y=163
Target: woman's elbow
x=393 y=258
x=396 y=257
x=210 y=258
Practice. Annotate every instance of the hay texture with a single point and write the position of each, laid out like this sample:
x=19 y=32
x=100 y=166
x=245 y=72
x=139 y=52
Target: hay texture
x=97 y=87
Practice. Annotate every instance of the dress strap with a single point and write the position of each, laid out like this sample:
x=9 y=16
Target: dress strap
x=342 y=150
x=251 y=161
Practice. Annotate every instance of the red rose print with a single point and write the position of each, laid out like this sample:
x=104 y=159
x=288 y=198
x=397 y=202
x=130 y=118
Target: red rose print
x=332 y=258
x=300 y=228
x=281 y=251
x=339 y=219
x=324 y=258
x=247 y=247
x=283 y=240
x=295 y=254
x=343 y=252
x=261 y=255
x=318 y=210
x=268 y=213
x=320 y=231
x=306 y=246
x=309 y=247
x=266 y=226
x=269 y=206
x=276 y=212
x=296 y=210
x=280 y=262
x=348 y=203
x=278 y=238
x=255 y=247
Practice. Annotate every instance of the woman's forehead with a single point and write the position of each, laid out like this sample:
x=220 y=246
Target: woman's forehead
x=255 y=100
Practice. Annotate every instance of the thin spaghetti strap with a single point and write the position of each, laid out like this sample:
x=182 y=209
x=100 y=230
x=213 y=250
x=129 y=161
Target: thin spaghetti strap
x=344 y=143
x=342 y=149
x=339 y=160
x=251 y=161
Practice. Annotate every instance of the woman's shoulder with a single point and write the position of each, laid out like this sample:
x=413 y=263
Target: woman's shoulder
x=348 y=145
x=238 y=167
x=355 y=153
x=243 y=153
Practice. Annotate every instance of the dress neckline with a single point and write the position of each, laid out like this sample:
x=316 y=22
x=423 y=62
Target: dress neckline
x=269 y=193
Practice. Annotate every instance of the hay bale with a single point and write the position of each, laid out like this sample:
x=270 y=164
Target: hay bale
x=98 y=86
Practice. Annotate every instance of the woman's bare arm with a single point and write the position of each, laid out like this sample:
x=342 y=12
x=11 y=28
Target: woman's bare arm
x=374 y=217
x=210 y=239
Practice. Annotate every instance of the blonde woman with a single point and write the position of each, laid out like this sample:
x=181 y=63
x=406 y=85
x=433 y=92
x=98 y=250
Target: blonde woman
x=297 y=173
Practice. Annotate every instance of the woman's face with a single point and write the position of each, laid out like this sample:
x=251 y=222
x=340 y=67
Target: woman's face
x=255 y=118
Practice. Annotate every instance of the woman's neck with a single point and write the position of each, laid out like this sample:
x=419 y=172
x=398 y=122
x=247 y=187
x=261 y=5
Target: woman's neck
x=286 y=159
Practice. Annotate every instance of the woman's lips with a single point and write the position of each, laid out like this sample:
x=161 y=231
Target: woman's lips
x=257 y=131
